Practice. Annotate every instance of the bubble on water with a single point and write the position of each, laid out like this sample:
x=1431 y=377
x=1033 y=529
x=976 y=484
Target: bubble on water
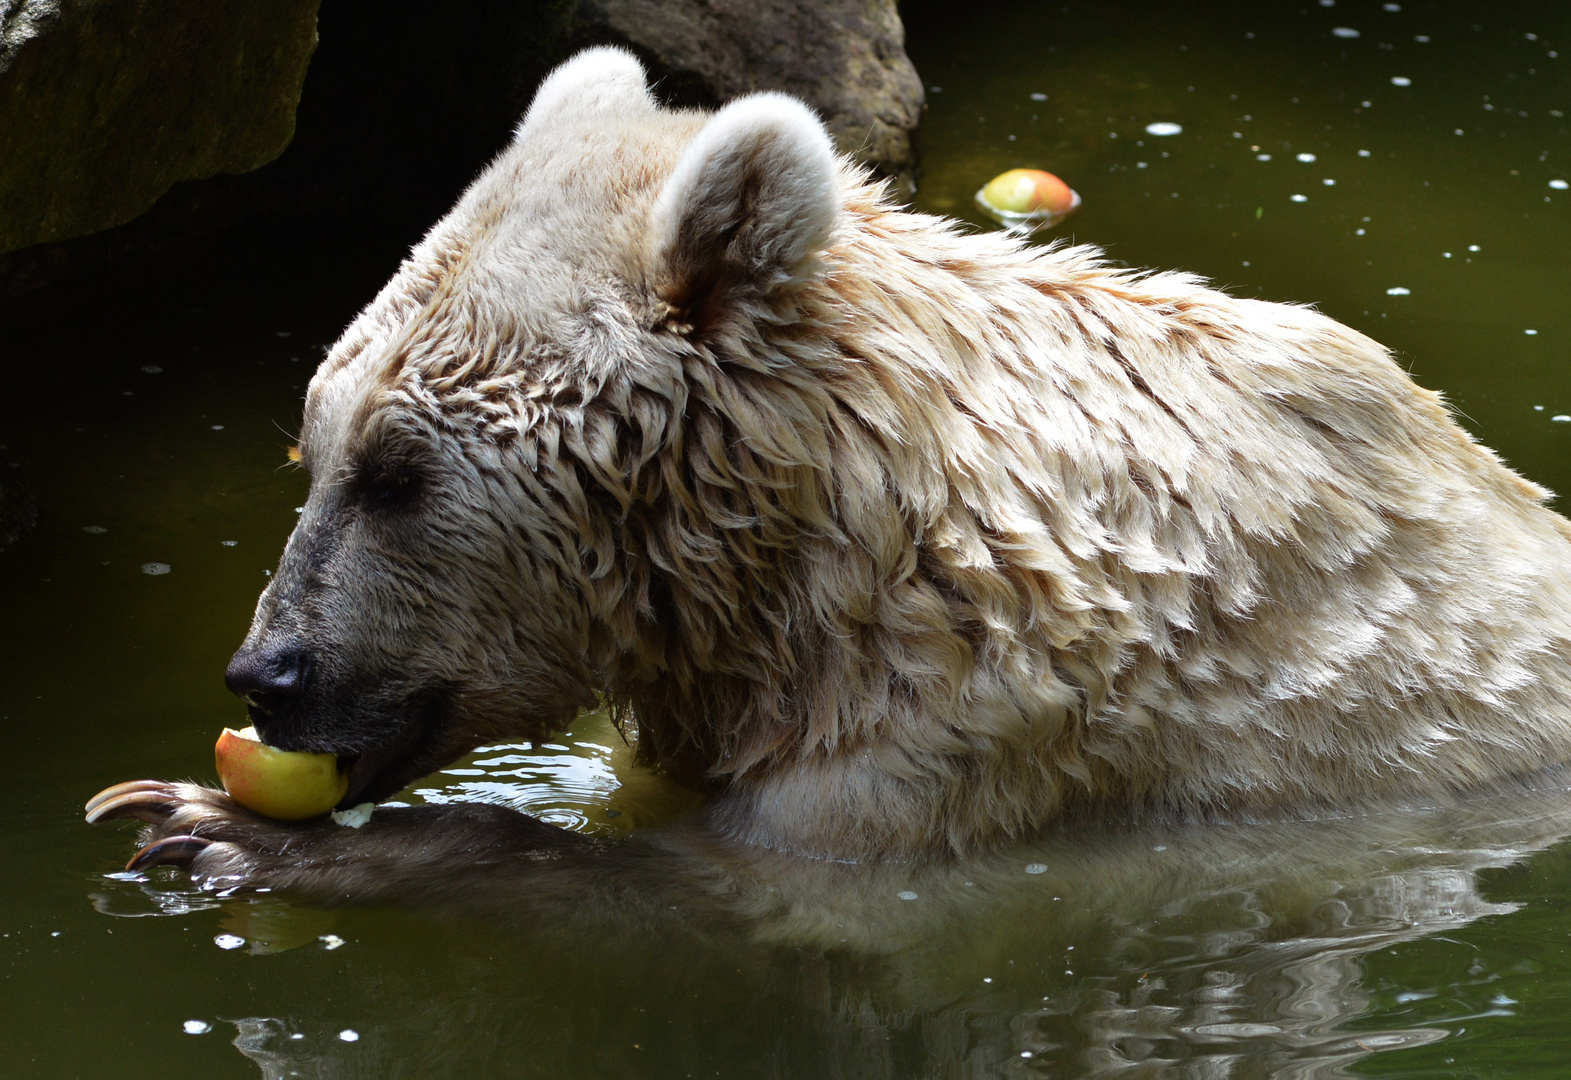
x=228 y=941
x=1328 y=182
x=1036 y=868
x=1299 y=198
x=331 y=941
x=1163 y=127
x=1306 y=157
x=96 y=530
x=197 y=1027
x=1344 y=31
x=1391 y=7
x=349 y=1035
x=906 y=894
x=229 y=543
x=1559 y=185
x=1422 y=39
x=1562 y=418
x=1140 y=164
x=1262 y=157
x=155 y=569
x=1530 y=333
x=218 y=427
x=1038 y=97
x=284 y=333
x=1401 y=80
x=299 y=509
x=152 y=369
x=1358 y=232
x=1399 y=290
x=1472 y=247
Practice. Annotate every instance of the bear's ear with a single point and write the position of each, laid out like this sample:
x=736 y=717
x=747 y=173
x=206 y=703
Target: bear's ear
x=600 y=82
x=753 y=198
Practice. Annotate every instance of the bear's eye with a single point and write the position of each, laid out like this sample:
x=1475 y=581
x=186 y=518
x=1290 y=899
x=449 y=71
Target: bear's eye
x=388 y=485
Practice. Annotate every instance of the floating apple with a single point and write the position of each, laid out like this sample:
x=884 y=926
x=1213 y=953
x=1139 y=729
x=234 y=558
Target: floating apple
x=1022 y=195
x=281 y=784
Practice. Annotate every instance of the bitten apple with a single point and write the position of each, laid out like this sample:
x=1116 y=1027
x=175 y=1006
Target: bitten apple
x=1028 y=192
x=281 y=784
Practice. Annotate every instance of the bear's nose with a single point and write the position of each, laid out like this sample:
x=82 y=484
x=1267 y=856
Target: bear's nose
x=266 y=676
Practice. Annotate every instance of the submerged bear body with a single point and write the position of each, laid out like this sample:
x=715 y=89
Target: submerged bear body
x=901 y=541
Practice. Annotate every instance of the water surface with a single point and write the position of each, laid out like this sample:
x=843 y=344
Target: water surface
x=149 y=411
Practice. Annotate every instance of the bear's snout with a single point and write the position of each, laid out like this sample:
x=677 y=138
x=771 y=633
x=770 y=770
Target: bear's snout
x=268 y=677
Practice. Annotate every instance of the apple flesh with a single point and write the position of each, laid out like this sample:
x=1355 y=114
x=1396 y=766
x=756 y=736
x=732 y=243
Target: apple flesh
x=281 y=784
x=1029 y=192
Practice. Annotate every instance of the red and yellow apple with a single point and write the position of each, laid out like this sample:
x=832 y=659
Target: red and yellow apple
x=283 y=784
x=1029 y=192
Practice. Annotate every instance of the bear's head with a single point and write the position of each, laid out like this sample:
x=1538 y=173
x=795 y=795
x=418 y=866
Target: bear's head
x=516 y=504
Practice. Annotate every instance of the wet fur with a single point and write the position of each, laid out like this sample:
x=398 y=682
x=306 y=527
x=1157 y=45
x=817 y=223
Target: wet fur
x=901 y=540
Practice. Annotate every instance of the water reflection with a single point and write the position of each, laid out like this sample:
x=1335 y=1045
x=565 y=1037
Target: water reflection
x=1201 y=951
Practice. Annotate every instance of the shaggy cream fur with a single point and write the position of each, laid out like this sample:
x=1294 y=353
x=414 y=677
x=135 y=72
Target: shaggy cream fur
x=906 y=540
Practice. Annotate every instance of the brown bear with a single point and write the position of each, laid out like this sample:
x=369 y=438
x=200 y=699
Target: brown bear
x=900 y=540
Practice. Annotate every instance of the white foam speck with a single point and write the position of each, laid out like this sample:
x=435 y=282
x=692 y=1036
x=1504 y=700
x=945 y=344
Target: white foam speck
x=1422 y=39
x=1391 y=7
x=1163 y=127
x=1036 y=868
x=1472 y=247
x=155 y=568
x=1328 y=182
x=1559 y=185
x=229 y=543
x=1562 y=418
x=1306 y=157
x=96 y=530
x=906 y=894
x=1399 y=290
x=1300 y=198
x=1344 y=31
x=1401 y=80
x=1530 y=333
x=1363 y=153
x=228 y=941
x=1262 y=157
x=1038 y=97
x=152 y=369
x=349 y=1035
x=197 y=1027
x=218 y=427
x=331 y=941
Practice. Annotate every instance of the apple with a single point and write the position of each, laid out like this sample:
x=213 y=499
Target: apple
x=282 y=784
x=1029 y=192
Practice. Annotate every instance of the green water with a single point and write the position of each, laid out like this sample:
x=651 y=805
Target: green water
x=1420 y=942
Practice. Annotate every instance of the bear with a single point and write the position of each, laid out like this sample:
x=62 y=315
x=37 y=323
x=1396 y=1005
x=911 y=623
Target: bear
x=900 y=540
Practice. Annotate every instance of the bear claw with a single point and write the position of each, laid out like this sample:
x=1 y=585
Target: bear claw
x=151 y=801
x=170 y=851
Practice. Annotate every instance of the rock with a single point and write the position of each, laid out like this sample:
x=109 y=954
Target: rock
x=846 y=58
x=104 y=104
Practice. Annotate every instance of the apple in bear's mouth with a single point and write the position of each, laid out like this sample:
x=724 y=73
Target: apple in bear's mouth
x=283 y=784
